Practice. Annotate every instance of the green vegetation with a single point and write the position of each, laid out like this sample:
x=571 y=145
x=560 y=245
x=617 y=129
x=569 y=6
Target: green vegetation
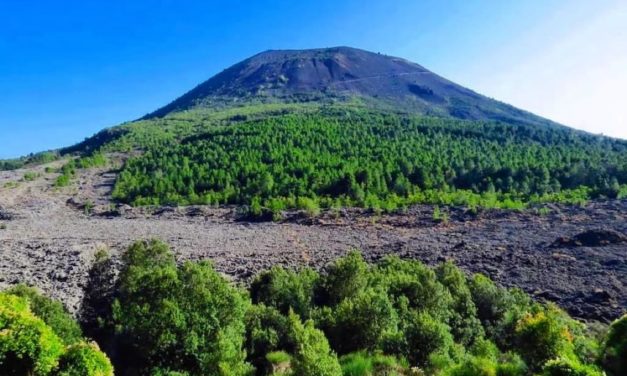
x=51 y=312
x=31 y=345
x=614 y=353
x=347 y=156
x=395 y=317
x=69 y=169
x=30 y=176
x=11 y=184
x=32 y=159
x=354 y=319
x=364 y=364
x=178 y=319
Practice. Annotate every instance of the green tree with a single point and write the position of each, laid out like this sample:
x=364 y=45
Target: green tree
x=186 y=319
x=345 y=278
x=614 y=352
x=51 y=312
x=361 y=322
x=27 y=345
x=286 y=289
x=465 y=325
x=423 y=337
x=313 y=356
x=542 y=336
x=84 y=359
x=569 y=367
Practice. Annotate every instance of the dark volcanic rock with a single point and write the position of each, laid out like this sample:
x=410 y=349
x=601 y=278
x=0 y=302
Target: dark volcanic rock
x=344 y=72
x=592 y=238
x=5 y=215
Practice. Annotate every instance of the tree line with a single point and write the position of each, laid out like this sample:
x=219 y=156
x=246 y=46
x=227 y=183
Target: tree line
x=349 y=157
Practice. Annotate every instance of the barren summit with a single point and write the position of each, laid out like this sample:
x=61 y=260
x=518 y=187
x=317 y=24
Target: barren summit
x=342 y=73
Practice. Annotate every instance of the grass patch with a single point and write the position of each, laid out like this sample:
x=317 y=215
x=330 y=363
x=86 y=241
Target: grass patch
x=30 y=176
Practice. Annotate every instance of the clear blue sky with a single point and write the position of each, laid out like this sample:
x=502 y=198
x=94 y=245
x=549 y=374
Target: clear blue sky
x=71 y=68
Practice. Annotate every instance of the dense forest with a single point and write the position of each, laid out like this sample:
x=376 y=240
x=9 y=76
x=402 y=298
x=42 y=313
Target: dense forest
x=354 y=157
x=395 y=317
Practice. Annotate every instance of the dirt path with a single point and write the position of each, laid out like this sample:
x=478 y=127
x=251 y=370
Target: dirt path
x=49 y=241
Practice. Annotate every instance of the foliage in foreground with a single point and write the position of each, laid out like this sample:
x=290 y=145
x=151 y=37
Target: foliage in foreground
x=30 y=346
x=396 y=317
x=185 y=318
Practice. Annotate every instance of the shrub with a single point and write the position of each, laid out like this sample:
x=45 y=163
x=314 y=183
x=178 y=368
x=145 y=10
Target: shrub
x=424 y=336
x=356 y=364
x=361 y=322
x=491 y=302
x=345 y=278
x=364 y=364
x=186 y=318
x=418 y=284
x=277 y=357
x=614 y=352
x=62 y=181
x=85 y=359
x=569 y=367
x=310 y=206
x=27 y=345
x=285 y=289
x=473 y=366
x=30 y=176
x=280 y=363
x=465 y=326
x=313 y=356
x=267 y=330
x=51 y=312
x=542 y=336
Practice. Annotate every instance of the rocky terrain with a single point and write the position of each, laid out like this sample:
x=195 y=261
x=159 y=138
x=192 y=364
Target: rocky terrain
x=574 y=256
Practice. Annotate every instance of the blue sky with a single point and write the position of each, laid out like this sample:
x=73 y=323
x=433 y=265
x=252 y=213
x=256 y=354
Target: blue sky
x=71 y=68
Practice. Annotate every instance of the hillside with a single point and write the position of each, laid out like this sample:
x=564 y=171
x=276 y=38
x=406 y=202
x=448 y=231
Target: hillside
x=341 y=127
x=335 y=156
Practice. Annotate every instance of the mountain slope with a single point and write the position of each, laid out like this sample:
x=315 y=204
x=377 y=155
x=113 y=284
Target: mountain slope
x=345 y=127
x=344 y=72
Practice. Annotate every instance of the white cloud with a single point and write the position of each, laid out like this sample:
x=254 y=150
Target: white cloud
x=578 y=78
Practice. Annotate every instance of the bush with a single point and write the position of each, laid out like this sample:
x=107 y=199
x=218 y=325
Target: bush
x=30 y=176
x=424 y=336
x=614 y=352
x=361 y=322
x=62 y=181
x=465 y=326
x=267 y=330
x=474 y=366
x=27 y=345
x=310 y=206
x=542 y=336
x=491 y=302
x=313 y=356
x=285 y=289
x=51 y=312
x=364 y=364
x=569 y=367
x=345 y=278
x=280 y=362
x=186 y=319
x=418 y=284
x=277 y=357
x=85 y=359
